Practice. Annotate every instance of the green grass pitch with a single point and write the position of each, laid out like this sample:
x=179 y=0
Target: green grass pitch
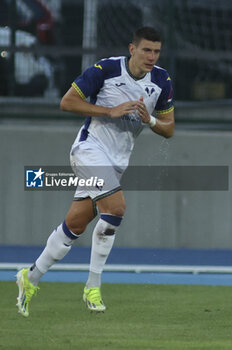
x=167 y=317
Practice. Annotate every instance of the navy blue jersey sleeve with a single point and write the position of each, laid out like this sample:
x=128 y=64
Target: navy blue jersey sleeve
x=91 y=81
x=165 y=100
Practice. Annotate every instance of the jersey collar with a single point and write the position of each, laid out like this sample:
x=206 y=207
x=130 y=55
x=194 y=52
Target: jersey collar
x=128 y=70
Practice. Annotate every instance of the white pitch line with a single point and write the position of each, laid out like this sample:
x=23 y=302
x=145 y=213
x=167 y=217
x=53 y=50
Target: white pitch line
x=195 y=269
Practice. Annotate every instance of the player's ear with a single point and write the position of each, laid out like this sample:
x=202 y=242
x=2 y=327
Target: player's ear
x=131 y=48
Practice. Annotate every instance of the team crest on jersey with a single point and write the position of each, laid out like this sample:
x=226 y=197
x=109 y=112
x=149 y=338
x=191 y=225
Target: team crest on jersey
x=149 y=91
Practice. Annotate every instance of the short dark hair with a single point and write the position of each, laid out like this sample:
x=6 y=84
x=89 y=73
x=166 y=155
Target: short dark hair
x=147 y=33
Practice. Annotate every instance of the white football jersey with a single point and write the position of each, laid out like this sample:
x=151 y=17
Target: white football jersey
x=109 y=83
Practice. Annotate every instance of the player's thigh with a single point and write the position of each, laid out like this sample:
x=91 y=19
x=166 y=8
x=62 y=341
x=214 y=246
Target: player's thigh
x=113 y=204
x=80 y=213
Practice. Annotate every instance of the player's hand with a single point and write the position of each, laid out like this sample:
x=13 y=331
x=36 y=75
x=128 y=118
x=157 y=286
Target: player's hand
x=142 y=111
x=122 y=109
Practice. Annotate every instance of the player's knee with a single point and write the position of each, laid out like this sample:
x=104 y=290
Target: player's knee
x=118 y=210
x=76 y=228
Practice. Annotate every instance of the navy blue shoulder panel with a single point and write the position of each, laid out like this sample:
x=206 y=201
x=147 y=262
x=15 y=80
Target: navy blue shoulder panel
x=92 y=80
x=111 y=68
x=159 y=76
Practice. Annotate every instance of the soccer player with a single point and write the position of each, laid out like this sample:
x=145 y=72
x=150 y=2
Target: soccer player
x=123 y=92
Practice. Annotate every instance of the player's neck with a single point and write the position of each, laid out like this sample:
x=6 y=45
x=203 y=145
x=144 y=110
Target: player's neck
x=133 y=70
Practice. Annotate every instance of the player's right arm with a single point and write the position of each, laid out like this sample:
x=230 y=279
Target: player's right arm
x=73 y=102
x=89 y=84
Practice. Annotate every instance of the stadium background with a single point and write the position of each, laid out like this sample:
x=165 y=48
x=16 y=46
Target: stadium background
x=47 y=47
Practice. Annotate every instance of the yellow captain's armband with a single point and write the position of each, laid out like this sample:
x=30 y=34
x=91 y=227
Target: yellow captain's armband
x=78 y=90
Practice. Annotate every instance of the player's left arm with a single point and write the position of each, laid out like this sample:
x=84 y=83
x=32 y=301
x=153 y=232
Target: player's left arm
x=164 y=122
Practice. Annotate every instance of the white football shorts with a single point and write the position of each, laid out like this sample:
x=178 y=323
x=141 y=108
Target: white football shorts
x=97 y=177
